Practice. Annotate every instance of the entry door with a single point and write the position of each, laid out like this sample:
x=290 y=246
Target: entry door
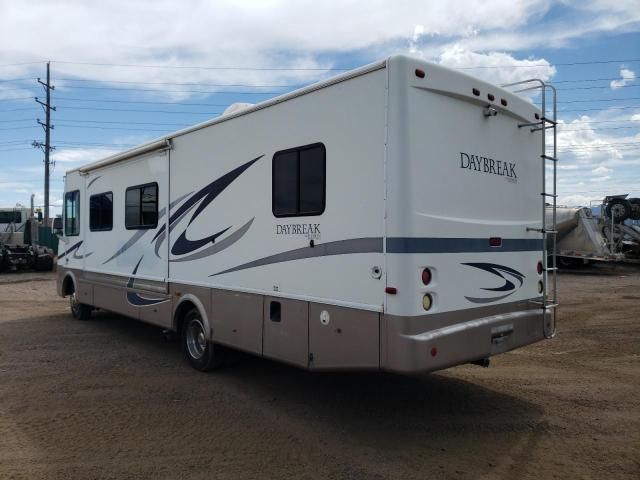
x=286 y=330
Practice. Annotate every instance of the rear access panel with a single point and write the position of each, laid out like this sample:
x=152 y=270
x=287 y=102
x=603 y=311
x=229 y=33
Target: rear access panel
x=286 y=330
x=343 y=338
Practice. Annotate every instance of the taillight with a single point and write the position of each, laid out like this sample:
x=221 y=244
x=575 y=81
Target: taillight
x=540 y=268
x=495 y=241
x=427 y=301
x=426 y=276
x=540 y=286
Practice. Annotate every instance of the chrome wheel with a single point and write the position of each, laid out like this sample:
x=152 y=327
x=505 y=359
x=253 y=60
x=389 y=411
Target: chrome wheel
x=73 y=302
x=196 y=339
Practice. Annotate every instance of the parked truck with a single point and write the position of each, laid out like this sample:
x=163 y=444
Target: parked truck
x=19 y=247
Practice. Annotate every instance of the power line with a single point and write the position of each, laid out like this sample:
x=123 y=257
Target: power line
x=203 y=67
x=16 y=79
x=137 y=110
x=113 y=128
x=188 y=84
x=19 y=128
x=195 y=67
x=208 y=92
x=74 y=99
x=127 y=122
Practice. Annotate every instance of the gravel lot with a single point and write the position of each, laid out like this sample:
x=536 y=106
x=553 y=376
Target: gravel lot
x=112 y=398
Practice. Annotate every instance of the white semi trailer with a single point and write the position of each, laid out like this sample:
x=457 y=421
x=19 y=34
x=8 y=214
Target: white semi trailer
x=388 y=218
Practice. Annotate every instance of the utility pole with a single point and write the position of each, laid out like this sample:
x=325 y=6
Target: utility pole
x=46 y=147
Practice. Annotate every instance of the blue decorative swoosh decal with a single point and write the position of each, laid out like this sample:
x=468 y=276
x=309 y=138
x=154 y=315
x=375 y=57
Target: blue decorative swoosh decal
x=138 y=300
x=499 y=271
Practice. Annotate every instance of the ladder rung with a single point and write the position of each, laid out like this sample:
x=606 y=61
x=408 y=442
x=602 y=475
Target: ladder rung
x=540 y=230
x=520 y=125
x=552 y=269
x=549 y=195
x=548 y=120
x=547 y=157
x=545 y=128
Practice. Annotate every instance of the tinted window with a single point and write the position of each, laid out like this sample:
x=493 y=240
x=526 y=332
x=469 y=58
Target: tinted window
x=299 y=181
x=72 y=213
x=141 y=206
x=11 y=217
x=101 y=212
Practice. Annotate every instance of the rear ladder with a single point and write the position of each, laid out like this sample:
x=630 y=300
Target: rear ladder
x=549 y=153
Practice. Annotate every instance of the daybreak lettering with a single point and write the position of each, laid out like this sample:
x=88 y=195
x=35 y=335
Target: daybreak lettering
x=309 y=230
x=488 y=165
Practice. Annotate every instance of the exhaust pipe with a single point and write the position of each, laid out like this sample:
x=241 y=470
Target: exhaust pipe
x=483 y=362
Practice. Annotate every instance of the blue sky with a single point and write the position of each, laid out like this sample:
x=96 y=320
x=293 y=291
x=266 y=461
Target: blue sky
x=120 y=76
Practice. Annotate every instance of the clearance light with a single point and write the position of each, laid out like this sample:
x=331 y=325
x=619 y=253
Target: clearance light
x=476 y=92
x=503 y=102
x=495 y=241
x=537 y=116
x=434 y=351
x=540 y=268
x=491 y=97
x=427 y=301
x=419 y=73
x=540 y=287
x=391 y=290
x=426 y=276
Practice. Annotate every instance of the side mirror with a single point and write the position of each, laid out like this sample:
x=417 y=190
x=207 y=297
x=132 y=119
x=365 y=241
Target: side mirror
x=56 y=226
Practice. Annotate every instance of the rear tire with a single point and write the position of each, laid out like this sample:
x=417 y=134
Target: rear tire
x=619 y=209
x=201 y=353
x=78 y=310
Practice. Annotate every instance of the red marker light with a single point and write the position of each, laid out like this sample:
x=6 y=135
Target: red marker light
x=540 y=268
x=503 y=102
x=495 y=242
x=491 y=96
x=391 y=290
x=476 y=92
x=420 y=73
x=434 y=351
x=426 y=276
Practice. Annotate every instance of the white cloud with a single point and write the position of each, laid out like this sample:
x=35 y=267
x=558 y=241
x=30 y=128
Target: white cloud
x=301 y=34
x=502 y=67
x=81 y=156
x=601 y=170
x=626 y=76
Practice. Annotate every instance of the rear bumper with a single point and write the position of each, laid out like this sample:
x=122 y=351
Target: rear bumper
x=416 y=346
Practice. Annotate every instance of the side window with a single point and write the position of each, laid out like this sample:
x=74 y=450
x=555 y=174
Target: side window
x=72 y=213
x=299 y=181
x=101 y=212
x=141 y=207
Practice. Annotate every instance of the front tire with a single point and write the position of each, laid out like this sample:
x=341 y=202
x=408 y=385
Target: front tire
x=201 y=353
x=78 y=310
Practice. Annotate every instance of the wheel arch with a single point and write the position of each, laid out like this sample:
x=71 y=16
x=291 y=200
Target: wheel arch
x=186 y=303
x=69 y=284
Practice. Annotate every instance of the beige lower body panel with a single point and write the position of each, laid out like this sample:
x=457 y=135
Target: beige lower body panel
x=433 y=342
x=320 y=336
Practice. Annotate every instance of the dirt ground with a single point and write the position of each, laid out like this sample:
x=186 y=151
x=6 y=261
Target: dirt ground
x=112 y=399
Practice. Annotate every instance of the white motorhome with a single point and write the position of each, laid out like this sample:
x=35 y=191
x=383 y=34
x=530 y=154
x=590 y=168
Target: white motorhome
x=388 y=218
